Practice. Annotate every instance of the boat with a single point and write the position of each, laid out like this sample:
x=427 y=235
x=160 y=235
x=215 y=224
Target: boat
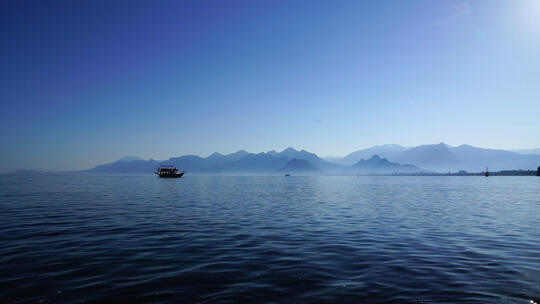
x=486 y=174
x=169 y=171
x=287 y=174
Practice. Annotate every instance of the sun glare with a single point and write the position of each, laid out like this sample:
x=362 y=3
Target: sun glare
x=530 y=12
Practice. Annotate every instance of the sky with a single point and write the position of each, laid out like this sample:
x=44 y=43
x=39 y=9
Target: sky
x=87 y=82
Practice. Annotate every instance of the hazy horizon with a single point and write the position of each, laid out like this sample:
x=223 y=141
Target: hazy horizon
x=329 y=158
x=534 y=151
x=86 y=83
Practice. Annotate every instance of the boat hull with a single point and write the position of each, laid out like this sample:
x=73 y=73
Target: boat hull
x=179 y=175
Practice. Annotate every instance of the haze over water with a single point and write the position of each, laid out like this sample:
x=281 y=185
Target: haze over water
x=318 y=239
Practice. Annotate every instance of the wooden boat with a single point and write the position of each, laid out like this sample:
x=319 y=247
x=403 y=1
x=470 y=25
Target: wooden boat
x=169 y=171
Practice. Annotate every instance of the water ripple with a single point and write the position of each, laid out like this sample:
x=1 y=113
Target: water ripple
x=227 y=239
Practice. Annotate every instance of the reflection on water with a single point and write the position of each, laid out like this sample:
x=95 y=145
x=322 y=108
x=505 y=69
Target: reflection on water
x=204 y=238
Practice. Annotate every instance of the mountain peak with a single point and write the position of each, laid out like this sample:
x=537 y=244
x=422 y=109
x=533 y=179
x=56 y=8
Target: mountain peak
x=289 y=149
x=215 y=155
x=384 y=151
x=375 y=157
x=239 y=153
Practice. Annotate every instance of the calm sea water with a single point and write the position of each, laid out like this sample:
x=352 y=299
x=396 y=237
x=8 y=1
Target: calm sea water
x=208 y=239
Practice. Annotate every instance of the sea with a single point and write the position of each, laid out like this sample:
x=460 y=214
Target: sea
x=129 y=238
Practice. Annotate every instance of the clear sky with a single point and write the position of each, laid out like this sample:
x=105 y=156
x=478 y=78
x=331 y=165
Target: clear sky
x=87 y=82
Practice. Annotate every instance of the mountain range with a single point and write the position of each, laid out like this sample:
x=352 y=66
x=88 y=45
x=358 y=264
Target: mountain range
x=379 y=165
x=384 y=151
x=288 y=160
x=443 y=158
x=385 y=159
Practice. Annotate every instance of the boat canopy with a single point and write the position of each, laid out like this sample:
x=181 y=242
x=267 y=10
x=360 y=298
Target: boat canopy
x=167 y=168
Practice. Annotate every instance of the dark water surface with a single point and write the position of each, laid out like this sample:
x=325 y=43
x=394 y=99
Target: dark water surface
x=138 y=238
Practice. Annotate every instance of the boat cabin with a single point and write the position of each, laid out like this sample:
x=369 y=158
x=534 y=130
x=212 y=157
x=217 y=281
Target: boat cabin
x=168 y=171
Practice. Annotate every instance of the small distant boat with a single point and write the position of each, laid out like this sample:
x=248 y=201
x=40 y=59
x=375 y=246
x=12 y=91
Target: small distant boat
x=169 y=171
x=287 y=174
x=486 y=174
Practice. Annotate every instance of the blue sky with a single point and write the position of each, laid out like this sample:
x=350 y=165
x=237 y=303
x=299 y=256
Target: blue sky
x=87 y=82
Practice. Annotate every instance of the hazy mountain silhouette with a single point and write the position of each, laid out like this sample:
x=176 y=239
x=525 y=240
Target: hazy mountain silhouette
x=378 y=165
x=437 y=158
x=261 y=162
x=476 y=159
x=310 y=157
x=240 y=161
x=384 y=151
x=443 y=158
x=290 y=160
x=229 y=157
x=432 y=157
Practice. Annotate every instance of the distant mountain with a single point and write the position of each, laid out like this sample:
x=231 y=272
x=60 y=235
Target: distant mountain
x=271 y=160
x=229 y=157
x=299 y=165
x=437 y=158
x=384 y=151
x=477 y=159
x=378 y=165
x=310 y=157
x=261 y=162
x=444 y=158
x=241 y=161
x=432 y=157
